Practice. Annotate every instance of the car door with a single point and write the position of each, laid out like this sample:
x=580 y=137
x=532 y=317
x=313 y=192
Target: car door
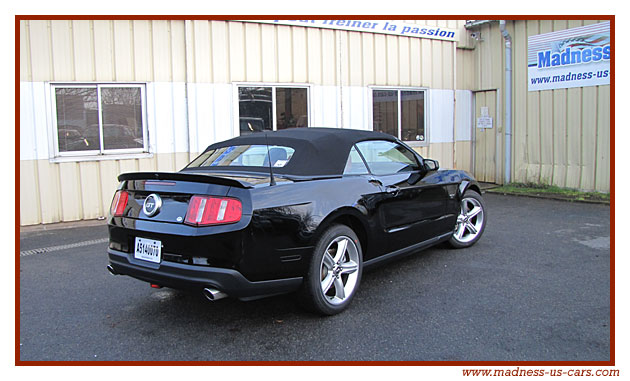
x=410 y=209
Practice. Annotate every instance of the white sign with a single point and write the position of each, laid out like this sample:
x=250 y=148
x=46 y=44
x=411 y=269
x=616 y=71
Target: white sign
x=397 y=28
x=484 y=122
x=576 y=57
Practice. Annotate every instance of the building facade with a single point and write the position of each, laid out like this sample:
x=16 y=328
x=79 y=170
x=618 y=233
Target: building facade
x=102 y=97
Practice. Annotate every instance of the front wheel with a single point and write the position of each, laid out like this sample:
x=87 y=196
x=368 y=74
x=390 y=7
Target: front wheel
x=471 y=221
x=334 y=271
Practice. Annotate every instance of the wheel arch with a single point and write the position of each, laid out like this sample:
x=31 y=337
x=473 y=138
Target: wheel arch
x=466 y=185
x=475 y=188
x=350 y=217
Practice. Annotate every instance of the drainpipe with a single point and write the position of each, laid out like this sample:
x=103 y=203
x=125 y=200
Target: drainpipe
x=508 y=100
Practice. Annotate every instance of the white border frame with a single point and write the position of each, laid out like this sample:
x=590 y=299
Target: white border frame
x=427 y=108
x=236 y=131
x=101 y=153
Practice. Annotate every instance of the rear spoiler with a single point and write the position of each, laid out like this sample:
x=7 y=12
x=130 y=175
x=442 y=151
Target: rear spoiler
x=178 y=176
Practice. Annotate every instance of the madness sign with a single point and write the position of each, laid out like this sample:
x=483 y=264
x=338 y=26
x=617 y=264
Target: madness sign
x=574 y=57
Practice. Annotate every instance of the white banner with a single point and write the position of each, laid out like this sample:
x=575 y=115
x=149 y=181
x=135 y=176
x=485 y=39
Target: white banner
x=576 y=57
x=397 y=28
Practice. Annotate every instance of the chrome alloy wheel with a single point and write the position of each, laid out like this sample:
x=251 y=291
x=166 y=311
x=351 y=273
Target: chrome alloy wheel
x=339 y=270
x=470 y=220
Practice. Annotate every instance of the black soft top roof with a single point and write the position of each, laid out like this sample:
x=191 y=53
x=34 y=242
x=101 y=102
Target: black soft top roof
x=318 y=151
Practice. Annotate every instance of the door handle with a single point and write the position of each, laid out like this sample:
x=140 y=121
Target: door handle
x=392 y=189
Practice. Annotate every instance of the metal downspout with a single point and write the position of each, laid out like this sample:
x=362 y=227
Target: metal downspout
x=508 y=101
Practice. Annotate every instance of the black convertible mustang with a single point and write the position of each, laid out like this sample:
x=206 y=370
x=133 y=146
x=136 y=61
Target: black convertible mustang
x=302 y=210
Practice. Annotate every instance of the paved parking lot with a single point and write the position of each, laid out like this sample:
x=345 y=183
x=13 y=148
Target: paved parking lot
x=536 y=287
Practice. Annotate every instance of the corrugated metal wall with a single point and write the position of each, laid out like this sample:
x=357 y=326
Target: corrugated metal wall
x=189 y=68
x=560 y=137
x=103 y=51
x=253 y=52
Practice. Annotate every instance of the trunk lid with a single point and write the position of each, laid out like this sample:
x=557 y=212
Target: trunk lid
x=174 y=191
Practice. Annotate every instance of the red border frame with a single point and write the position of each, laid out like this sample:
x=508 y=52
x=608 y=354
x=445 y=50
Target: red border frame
x=19 y=18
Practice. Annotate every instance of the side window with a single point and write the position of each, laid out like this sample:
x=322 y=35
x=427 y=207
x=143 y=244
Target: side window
x=355 y=165
x=386 y=158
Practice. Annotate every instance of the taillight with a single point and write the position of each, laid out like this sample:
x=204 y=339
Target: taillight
x=208 y=210
x=119 y=203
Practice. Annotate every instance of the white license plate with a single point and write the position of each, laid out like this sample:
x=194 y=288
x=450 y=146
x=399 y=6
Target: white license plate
x=148 y=250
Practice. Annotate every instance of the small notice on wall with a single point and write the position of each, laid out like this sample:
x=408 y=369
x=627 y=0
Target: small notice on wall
x=484 y=122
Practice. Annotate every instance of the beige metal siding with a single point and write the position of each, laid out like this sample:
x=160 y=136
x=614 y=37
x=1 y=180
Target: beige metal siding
x=30 y=212
x=559 y=137
x=602 y=169
x=102 y=50
x=225 y=52
x=486 y=139
x=202 y=51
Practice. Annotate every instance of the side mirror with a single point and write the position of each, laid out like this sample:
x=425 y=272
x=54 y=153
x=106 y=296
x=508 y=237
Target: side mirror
x=431 y=165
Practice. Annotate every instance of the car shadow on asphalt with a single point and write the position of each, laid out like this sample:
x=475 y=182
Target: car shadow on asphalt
x=170 y=303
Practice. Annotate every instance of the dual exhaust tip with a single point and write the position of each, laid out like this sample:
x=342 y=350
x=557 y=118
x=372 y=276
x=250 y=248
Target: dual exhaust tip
x=212 y=294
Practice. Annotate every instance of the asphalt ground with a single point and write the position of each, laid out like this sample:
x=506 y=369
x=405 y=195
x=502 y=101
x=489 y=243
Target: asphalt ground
x=536 y=287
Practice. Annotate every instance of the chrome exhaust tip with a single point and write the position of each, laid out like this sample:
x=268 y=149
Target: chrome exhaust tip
x=111 y=270
x=213 y=294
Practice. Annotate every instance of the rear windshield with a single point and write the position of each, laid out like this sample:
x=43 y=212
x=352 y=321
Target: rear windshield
x=244 y=156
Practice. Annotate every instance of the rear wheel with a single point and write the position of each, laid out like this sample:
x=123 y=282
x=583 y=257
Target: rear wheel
x=334 y=271
x=471 y=221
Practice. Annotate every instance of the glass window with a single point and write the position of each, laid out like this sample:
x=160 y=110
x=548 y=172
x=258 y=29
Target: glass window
x=122 y=117
x=291 y=110
x=355 y=165
x=244 y=156
x=388 y=105
x=385 y=111
x=412 y=112
x=77 y=112
x=385 y=157
x=256 y=108
x=121 y=126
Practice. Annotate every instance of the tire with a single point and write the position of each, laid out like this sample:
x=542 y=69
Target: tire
x=333 y=277
x=471 y=221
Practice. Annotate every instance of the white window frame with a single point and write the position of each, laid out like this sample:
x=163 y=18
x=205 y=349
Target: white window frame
x=274 y=85
x=399 y=89
x=100 y=153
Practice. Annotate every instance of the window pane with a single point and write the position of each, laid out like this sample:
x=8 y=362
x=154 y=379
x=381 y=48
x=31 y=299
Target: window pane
x=254 y=108
x=355 y=165
x=77 y=113
x=387 y=157
x=122 y=117
x=385 y=111
x=291 y=107
x=412 y=109
x=246 y=155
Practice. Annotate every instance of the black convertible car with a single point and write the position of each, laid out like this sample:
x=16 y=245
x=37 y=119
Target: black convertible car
x=301 y=210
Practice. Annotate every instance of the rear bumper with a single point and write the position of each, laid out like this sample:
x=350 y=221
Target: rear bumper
x=183 y=276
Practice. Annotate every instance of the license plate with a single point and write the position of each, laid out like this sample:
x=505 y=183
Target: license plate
x=148 y=250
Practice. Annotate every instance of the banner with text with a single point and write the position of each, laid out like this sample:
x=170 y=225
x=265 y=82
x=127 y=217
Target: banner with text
x=397 y=28
x=576 y=57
